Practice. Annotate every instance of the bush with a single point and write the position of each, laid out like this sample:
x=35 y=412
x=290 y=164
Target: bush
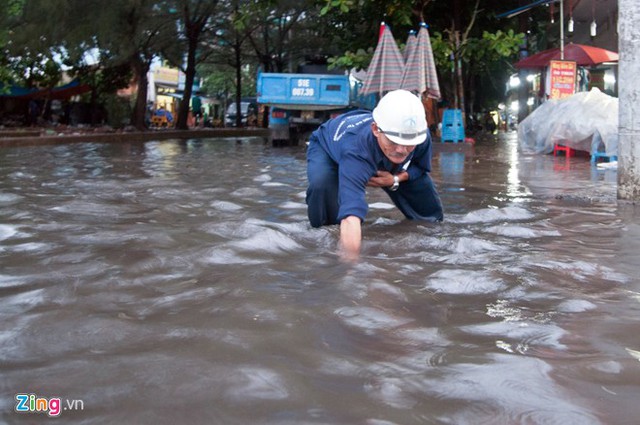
x=118 y=111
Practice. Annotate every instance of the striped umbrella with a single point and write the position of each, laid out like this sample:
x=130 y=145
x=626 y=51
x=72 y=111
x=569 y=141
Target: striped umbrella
x=411 y=45
x=387 y=66
x=420 y=70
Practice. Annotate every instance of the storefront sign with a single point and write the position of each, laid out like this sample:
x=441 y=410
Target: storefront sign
x=563 y=79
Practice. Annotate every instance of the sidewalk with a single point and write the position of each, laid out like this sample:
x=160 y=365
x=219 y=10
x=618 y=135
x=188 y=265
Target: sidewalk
x=30 y=137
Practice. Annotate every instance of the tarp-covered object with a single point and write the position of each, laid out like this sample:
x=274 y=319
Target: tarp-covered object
x=585 y=121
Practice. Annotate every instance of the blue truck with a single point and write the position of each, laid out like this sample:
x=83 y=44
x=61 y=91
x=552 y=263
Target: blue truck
x=299 y=103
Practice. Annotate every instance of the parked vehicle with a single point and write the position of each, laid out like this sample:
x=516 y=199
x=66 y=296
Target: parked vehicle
x=299 y=103
x=248 y=110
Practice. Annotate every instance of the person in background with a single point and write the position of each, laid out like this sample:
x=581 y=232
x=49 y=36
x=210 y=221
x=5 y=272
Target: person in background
x=34 y=113
x=388 y=148
x=161 y=112
x=196 y=107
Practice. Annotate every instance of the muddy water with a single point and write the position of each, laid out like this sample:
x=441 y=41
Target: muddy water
x=179 y=282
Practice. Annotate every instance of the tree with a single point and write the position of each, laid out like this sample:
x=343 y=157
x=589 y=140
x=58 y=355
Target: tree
x=134 y=33
x=466 y=53
x=231 y=53
x=9 y=14
x=127 y=33
x=196 y=20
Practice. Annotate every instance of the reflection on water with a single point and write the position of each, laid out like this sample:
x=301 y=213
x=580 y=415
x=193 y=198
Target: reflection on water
x=179 y=282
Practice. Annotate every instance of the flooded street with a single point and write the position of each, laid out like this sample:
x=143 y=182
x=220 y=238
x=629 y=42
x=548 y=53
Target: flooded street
x=180 y=282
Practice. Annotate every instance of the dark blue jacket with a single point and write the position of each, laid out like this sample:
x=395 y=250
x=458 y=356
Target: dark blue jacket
x=349 y=141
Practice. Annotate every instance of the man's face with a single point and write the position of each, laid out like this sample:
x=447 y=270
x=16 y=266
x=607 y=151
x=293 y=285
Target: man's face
x=394 y=152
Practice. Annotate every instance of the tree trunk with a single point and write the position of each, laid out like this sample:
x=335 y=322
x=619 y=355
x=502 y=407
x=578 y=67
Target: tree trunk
x=189 y=78
x=141 y=69
x=238 y=68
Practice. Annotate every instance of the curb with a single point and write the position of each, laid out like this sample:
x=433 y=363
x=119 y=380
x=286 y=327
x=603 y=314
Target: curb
x=142 y=136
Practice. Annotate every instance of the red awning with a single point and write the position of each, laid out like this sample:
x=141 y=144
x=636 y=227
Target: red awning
x=579 y=53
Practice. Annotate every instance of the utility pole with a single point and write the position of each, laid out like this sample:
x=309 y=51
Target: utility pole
x=629 y=107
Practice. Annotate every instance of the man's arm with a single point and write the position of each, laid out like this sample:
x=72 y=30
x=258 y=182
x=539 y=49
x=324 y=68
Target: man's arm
x=385 y=178
x=350 y=237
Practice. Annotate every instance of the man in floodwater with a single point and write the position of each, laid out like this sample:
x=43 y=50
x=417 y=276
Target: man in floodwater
x=389 y=148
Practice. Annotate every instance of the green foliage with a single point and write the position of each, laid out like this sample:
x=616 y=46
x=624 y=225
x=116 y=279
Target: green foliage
x=442 y=51
x=118 y=110
x=235 y=38
x=343 y=5
x=219 y=81
x=350 y=60
x=105 y=80
x=493 y=46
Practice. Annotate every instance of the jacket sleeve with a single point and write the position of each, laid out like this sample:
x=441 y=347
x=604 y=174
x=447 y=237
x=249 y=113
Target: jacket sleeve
x=354 y=171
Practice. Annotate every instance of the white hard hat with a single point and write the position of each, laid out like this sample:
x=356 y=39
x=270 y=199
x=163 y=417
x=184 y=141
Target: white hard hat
x=401 y=117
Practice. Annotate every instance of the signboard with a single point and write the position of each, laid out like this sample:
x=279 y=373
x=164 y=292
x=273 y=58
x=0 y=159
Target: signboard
x=563 y=79
x=165 y=75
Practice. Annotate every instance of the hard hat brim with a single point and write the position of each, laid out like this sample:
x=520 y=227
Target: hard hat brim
x=405 y=139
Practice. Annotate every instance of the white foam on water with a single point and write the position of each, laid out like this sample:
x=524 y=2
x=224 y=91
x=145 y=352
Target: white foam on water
x=262 y=178
x=96 y=209
x=231 y=230
x=229 y=256
x=9 y=198
x=520 y=232
x=611 y=367
x=9 y=281
x=298 y=229
x=268 y=240
x=576 y=306
x=7 y=231
x=488 y=215
x=523 y=333
x=381 y=206
x=374 y=421
x=289 y=205
x=426 y=338
x=339 y=365
x=226 y=206
x=466 y=282
x=383 y=221
x=369 y=319
x=33 y=246
x=273 y=184
x=584 y=271
x=248 y=192
x=472 y=246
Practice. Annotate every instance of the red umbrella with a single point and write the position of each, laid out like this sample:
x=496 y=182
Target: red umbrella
x=386 y=68
x=420 y=70
x=581 y=54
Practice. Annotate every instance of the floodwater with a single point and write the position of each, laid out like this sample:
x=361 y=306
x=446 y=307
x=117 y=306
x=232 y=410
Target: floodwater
x=179 y=282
